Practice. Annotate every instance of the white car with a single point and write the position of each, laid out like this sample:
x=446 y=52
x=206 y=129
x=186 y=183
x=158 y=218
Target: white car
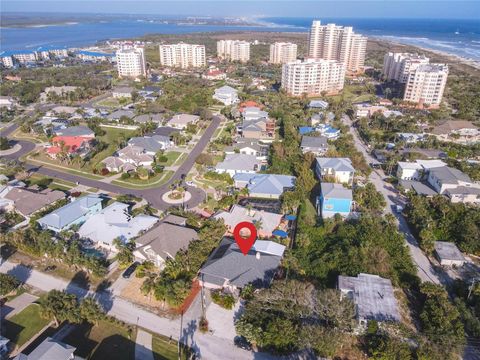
x=191 y=183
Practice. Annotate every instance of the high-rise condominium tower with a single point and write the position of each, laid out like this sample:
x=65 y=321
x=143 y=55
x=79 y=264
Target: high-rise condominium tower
x=182 y=55
x=233 y=50
x=425 y=85
x=131 y=62
x=397 y=66
x=332 y=42
x=283 y=52
x=313 y=77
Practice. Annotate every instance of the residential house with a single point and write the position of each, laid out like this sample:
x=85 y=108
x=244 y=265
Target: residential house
x=237 y=164
x=262 y=128
x=417 y=187
x=114 y=222
x=70 y=145
x=50 y=349
x=229 y=269
x=128 y=159
x=7 y=102
x=164 y=131
x=268 y=221
x=411 y=138
x=60 y=91
x=122 y=92
x=145 y=118
x=256 y=148
x=63 y=110
x=328 y=131
x=250 y=103
x=416 y=170
x=214 y=74
x=464 y=194
x=253 y=113
x=445 y=177
x=27 y=201
x=334 y=199
x=458 y=131
x=340 y=169
x=373 y=297
x=318 y=104
x=151 y=145
x=448 y=254
x=164 y=241
x=264 y=185
x=74 y=213
x=118 y=114
x=302 y=130
x=226 y=95
x=150 y=92
x=78 y=131
x=317 y=145
x=180 y=121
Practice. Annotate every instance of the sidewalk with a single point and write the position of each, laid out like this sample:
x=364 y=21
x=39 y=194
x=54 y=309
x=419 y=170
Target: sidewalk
x=17 y=305
x=143 y=346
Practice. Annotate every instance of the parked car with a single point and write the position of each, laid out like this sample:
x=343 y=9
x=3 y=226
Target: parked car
x=191 y=183
x=130 y=270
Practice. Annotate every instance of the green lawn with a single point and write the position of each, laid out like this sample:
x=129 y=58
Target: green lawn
x=163 y=348
x=24 y=326
x=172 y=156
x=151 y=182
x=105 y=341
x=109 y=102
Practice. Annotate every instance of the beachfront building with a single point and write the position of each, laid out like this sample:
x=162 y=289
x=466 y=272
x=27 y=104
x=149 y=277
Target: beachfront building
x=397 y=66
x=426 y=84
x=49 y=52
x=6 y=59
x=283 y=52
x=233 y=50
x=313 y=77
x=182 y=55
x=332 y=42
x=94 y=56
x=131 y=62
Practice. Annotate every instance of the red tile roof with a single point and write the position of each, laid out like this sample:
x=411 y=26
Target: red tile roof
x=72 y=143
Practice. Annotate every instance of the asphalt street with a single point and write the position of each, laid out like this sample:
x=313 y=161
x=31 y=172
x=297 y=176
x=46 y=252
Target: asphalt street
x=425 y=270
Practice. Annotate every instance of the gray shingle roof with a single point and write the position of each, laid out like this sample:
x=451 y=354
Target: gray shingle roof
x=335 y=191
x=27 y=202
x=119 y=113
x=314 y=142
x=338 y=164
x=75 y=131
x=238 y=162
x=167 y=239
x=449 y=175
x=227 y=263
x=150 y=143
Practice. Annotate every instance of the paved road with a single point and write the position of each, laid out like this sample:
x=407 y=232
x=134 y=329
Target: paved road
x=425 y=270
x=207 y=346
x=153 y=195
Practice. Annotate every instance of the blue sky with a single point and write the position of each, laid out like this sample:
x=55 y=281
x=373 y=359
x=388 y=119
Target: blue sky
x=246 y=8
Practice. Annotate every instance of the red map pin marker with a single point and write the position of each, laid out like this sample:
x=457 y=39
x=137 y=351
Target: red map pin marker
x=245 y=244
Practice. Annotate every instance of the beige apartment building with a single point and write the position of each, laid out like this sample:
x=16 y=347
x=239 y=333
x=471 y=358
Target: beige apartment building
x=131 y=62
x=333 y=42
x=233 y=50
x=426 y=84
x=397 y=66
x=313 y=77
x=283 y=52
x=183 y=55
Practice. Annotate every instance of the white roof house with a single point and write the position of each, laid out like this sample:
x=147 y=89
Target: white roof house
x=416 y=170
x=180 y=121
x=237 y=214
x=115 y=222
x=226 y=95
x=341 y=169
x=237 y=164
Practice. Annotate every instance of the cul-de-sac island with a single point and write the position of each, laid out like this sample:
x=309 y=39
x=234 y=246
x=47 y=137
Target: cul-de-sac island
x=126 y=166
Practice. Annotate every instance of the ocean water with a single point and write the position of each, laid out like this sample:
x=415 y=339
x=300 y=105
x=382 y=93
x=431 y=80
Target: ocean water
x=459 y=37
x=88 y=32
